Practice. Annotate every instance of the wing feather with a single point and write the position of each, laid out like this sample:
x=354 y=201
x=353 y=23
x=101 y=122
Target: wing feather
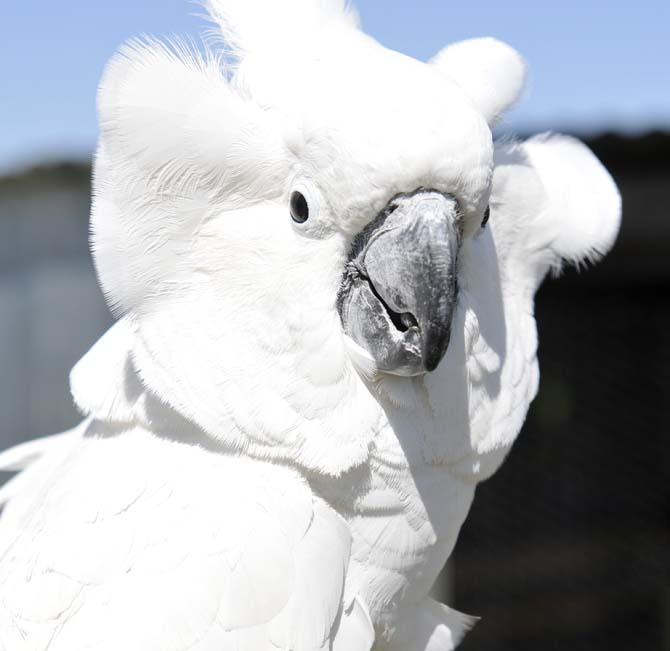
x=552 y=201
x=139 y=542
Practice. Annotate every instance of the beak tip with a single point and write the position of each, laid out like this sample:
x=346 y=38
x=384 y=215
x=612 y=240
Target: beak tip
x=435 y=350
x=432 y=362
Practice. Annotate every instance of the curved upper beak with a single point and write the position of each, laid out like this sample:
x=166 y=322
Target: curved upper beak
x=400 y=286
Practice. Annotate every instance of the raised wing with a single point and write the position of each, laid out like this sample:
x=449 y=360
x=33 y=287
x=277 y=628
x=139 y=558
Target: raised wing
x=552 y=202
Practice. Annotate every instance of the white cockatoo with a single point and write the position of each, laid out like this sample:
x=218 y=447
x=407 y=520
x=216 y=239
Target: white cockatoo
x=324 y=271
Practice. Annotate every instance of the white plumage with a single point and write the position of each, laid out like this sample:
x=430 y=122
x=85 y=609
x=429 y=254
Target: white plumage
x=245 y=477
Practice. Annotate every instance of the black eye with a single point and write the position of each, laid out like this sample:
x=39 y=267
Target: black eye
x=299 y=208
x=487 y=214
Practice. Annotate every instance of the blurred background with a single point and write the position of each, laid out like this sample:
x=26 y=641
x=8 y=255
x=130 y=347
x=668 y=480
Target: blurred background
x=568 y=545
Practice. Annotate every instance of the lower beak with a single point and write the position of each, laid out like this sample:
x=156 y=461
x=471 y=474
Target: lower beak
x=399 y=290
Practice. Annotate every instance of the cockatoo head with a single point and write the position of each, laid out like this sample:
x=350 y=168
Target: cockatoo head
x=388 y=165
x=286 y=223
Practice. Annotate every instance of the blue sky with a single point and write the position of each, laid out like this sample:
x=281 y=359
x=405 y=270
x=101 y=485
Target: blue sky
x=594 y=64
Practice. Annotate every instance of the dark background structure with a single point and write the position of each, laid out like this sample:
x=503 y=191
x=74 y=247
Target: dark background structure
x=568 y=545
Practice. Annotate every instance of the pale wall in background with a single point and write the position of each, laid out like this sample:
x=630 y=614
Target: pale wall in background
x=51 y=309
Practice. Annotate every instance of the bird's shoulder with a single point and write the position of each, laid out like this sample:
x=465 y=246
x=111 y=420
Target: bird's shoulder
x=131 y=541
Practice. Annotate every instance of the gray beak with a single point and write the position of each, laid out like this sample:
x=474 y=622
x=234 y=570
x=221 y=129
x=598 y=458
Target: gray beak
x=399 y=287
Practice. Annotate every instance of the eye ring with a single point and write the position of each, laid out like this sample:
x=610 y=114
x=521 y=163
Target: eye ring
x=298 y=207
x=487 y=214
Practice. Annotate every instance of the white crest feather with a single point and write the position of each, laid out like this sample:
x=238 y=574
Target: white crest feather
x=583 y=201
x=176 y=141
x=556 y=201
x=491 y=72
x=269 y=26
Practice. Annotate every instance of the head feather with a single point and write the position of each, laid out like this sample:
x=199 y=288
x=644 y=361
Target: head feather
x=252 y=27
